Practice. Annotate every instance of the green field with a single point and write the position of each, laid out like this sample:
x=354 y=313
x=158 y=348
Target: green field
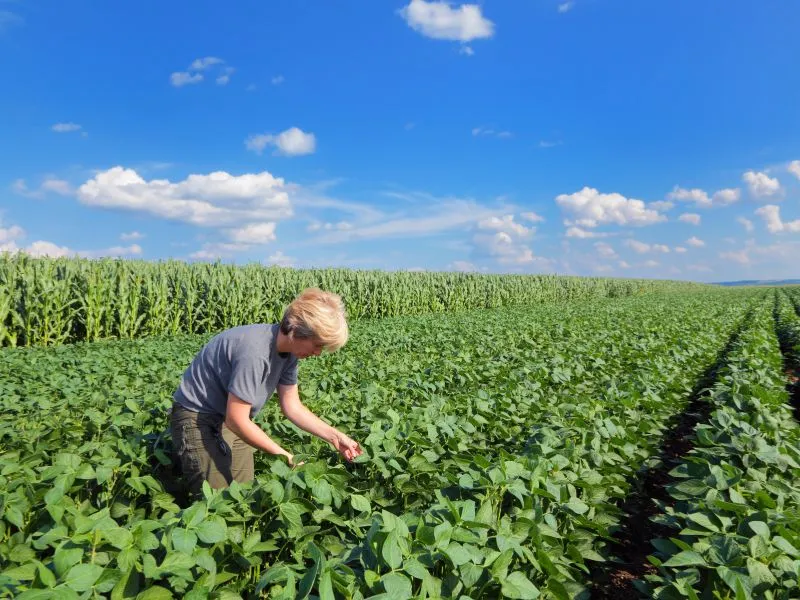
x=501 y=445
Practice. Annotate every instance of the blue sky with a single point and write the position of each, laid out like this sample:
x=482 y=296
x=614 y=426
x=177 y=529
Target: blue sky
x=592 y=137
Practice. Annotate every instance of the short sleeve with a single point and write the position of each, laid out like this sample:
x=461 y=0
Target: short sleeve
x=289 y=373
x=246 y=378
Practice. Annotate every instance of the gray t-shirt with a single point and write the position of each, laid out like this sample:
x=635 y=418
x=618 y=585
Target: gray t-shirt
x=242 y=360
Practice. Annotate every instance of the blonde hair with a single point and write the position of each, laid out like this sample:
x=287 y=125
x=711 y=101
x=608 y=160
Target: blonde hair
x=317 y=314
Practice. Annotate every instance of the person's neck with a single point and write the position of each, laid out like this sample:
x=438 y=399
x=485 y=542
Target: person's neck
x=283 y=345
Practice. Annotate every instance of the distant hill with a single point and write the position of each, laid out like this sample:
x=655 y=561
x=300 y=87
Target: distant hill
x=761 y=282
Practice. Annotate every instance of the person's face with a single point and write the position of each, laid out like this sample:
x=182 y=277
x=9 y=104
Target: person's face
x=305 y=347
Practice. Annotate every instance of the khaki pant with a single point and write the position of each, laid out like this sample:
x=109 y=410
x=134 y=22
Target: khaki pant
x=206 y=450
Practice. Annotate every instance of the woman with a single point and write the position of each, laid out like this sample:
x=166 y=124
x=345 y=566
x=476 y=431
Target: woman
x=233 y=376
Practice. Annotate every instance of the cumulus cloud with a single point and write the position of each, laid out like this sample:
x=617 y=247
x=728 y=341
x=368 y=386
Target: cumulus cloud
x=591 y=208
x=698 y=196
x=605 y=250
x=778 y=255
x=771 y=214
x=291 y=142
x=253 y=233
x=439 y=20
x=680 y=250
x=661 y=205
x=726 y=196
x=218 y=199
x=319 y=226
x=194 y=74
x=277 y=80
x=692 y=218
x=41 y=248
x=215 y=251
x=747 y=223
x=696 y=242
x=280 y=259
x=577 y=232
x=532 y=217
x=132 y=236
x=48 y=184
x=643 y=248
x=760 y=184
x=565 y=7
x=794 y=168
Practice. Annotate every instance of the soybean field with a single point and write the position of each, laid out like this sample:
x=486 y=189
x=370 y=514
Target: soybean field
x=635 y=443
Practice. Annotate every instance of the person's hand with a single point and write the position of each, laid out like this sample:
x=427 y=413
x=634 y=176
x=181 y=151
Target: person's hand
x=290 y=459
x=346 y=446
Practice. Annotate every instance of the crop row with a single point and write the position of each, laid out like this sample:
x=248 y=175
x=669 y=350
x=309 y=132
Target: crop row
x=498 y=445
x=736 y=495
x=45 y=302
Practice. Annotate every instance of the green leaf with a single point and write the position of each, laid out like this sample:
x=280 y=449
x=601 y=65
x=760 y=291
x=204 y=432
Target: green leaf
x=391 y=551
x=290 y=513
x=760 y=528
x=360 y=503
x=688 y=488
x=176 y=561
x=81 y=578
x=414 y=568
x=213 y=530
x=724 y=551
x=577 y=506
x=457 y=554
x=184 y=540
x=759 y=572
x=516 y=585
x=703 y=521
x=326 y=587
x=155 y=592
x=65 y=558
x=21 y=553
x=397 y=585
x=685 y=559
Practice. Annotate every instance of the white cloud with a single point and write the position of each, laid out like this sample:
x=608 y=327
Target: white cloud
x=565 y=7
x=253 y=233
x=280 y=259
x=505 y=224
x=466 y=50
x=794 y=168
x=643 y=248
x=11 y=234
x=181 y=78
x=194 y=74
x=698 y=196
x=651 y=263
x=761 y=185
x=9 y=19
x=772 y=217
x=439 y=20
x=779 y=254
x=65 y=127
x=747 y=223
x=577 y=232
x=692 y=218
x=624 y=265
x=726 y=197
x=532 y=217
x=49 y=184
x=132 y=236
x=661 y=205
x=605 y=250
x=680 y=250
x=277 y=80
x=201 y=64
x=114 y=251
x=214 y=200
x=216 y=251
x=593 y=208
x=549 y=144
x=696 y=242
x=291 y=142
x=487 y=132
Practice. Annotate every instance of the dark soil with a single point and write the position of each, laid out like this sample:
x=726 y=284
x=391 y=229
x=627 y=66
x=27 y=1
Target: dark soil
x=631 y=546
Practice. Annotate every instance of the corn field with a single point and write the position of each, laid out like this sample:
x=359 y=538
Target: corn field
x=52 y=301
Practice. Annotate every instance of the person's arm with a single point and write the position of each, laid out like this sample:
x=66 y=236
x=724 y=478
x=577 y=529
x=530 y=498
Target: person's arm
x=298 y=414
x=237 y=418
